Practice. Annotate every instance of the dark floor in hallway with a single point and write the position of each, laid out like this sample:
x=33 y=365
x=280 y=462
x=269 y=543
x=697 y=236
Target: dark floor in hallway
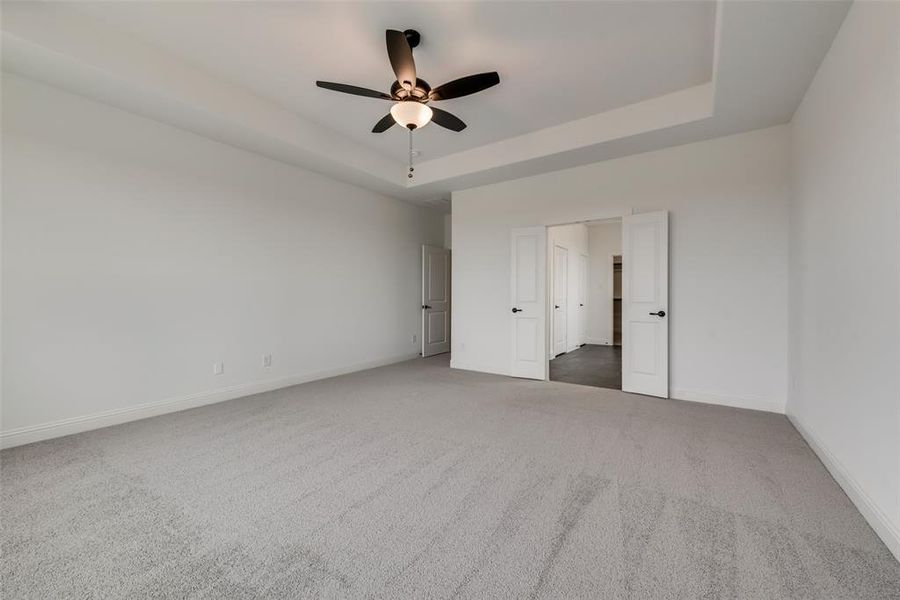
x=598 y=366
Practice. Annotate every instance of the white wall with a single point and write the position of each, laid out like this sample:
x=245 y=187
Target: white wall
x=135 y=255
x=845 y=264
x=575 y=240
x=448 y=232
x=728 y=199
x=605 y=241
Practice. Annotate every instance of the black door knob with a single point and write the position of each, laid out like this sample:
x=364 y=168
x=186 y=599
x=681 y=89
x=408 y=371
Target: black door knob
x=515 y=310
x=580 y=304
x=424 y=306
x=661 y=313
x=556 y=306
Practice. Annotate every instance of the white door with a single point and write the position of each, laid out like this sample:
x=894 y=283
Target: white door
x=528 y=270
x=435 y=300
x=560 y=299
x=645 y=304
x=582 y=299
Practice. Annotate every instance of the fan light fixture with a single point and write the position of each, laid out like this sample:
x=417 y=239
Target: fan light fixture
x=411 y=95
x=411 y=114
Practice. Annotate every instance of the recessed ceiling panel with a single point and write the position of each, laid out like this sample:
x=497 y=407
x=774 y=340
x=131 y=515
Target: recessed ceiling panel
x=558 y=61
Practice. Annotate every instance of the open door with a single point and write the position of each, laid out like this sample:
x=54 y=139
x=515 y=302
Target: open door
x=582 y=298
x=645 y=300
x=560 y=300
x=435 y=300
x=528 y=269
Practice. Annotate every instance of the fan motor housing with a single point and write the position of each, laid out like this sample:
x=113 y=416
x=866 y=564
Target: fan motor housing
x=420 y=92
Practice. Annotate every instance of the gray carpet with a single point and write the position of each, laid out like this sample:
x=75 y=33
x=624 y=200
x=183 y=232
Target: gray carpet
x=415 y=481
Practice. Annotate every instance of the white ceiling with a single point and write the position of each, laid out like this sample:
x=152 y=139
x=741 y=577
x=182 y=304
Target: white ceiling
x=558 y=61
x=580 y=81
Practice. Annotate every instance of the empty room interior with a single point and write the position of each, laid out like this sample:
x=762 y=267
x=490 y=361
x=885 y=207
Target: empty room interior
x=450 y=299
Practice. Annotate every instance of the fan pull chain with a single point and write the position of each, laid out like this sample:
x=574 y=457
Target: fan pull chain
x=410 y=175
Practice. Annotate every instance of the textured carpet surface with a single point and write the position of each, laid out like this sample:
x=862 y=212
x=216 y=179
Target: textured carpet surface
x=415 y=481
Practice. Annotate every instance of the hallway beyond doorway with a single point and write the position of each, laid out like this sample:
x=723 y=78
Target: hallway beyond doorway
x=591 y=364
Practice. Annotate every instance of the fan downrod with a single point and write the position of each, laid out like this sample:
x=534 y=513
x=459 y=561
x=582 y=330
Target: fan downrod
x=413 y=37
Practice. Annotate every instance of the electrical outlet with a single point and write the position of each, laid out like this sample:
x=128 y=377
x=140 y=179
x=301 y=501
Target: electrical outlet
x=413 y=338
x=218 y=368
x=267 y=360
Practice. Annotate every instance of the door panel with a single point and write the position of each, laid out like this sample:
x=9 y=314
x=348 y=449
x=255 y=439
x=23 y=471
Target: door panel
x=642 y=336
x=437 y=328
x=435 y=300
x=560 y=299
x=526 y=339
x=645 y=291
x=526 y=287
x=528 y=264
x=643 y=260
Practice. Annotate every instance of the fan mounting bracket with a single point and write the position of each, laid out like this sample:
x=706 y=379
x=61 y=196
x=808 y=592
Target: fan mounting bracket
x=412 y=37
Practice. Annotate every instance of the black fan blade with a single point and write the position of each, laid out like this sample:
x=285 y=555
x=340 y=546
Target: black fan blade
x=401 y=57
x=445 y=119
x=465 y=86
x=384 y=124
x=352 y=89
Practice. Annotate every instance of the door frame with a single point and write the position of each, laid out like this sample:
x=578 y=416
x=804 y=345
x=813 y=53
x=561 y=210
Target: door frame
x=549 y=292
x=602 y=216
x=584 y=218
x=584 y=284
x=611 y=286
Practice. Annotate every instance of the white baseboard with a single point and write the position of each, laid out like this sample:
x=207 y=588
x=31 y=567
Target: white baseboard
x=598 y=341
x=53 y=429
x=460 y=366
x=753 y=403
x=888 y=531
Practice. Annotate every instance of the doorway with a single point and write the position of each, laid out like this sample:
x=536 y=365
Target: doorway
x=435 y=333
x=590 y=252
x=590 y=315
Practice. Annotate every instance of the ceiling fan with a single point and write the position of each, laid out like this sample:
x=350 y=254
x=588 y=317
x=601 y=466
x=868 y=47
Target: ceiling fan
x=411 y=95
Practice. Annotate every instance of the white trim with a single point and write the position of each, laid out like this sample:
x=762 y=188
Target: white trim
x=584 y=286
x=460 y=366
x=597 y=341
x=888 y=532
x=611 y=296
x=611 y=286
x=54 y=429
x=753 y=403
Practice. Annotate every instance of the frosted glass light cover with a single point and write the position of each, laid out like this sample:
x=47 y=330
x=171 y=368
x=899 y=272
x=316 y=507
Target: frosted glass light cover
x=411 y=112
